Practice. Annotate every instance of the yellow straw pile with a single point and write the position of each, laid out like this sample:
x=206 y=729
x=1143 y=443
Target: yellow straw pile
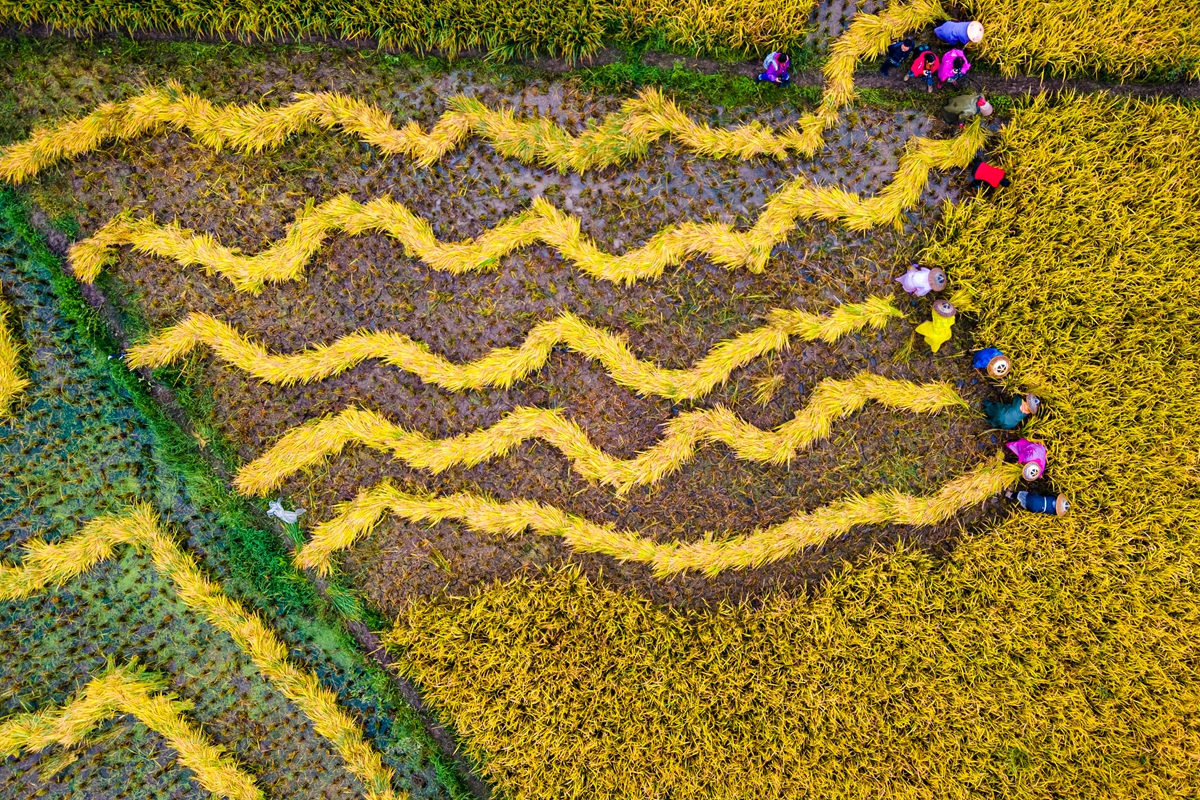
x=504 y=366
x=128 y=691
x=623 y=135
x=45 y=564
x=12 y=381
x=285 y=260
x=710 y=555
x=833 y=399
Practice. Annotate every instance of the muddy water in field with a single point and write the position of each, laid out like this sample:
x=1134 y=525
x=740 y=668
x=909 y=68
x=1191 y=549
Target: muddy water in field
x=368 y=282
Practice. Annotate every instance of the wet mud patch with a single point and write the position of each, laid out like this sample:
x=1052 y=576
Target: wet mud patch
x=368 y=282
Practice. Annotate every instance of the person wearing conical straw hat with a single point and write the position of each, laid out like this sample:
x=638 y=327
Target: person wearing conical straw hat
x=1009 y=415
x=965 y=107
x=960 y=33
x=940 y=328
x=920 y=281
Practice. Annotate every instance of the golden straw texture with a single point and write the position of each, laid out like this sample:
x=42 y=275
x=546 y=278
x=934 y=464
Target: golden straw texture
x=285 y=260
x=624 y=135
x=129 y=691
x=312 y=442
x=504 y=366
x=710 y=555
x=12 y=381
x=45 y=564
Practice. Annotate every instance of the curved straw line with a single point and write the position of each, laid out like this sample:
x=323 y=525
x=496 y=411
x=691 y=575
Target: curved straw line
x=126 y=690
x=710 y=555
x=623 y=135
x=12 y=382
x=314 y=441
x=46 y=563
x=504 y=366
x=287 y=258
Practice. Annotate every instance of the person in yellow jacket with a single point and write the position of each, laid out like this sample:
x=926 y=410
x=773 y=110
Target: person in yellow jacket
x=937 y=331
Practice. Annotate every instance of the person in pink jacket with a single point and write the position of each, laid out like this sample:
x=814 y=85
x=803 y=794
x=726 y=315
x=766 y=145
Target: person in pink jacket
x=953 y=66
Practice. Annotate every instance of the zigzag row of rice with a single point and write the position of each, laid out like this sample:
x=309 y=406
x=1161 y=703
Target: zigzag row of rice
x=286 y=259
x=45 y=564
x=505 y=365
x=127 y=690
x=830 y=401
x=710 y=555
x=12 y=381
x=619 y=137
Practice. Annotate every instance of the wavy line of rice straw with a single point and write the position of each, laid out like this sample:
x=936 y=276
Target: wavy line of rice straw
x=287 y=258
x=504 y=366
x=127 y=690
x=626 y=134
x=832 y=400
x=711 y=555
x=12 y=380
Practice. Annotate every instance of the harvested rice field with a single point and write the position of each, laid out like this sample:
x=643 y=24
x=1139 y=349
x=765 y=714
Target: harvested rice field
x=625 y=466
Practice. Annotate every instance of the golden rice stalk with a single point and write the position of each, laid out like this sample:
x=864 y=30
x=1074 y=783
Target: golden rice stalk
x=45 y=564
x=710 y=554
x=125 y=690
x=12 y=381
x=505 y=365
x=285 y=260
x=832 y=400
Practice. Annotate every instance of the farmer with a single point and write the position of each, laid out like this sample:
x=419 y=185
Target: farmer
x=920 y=281
x=960 y=33
x=776 y=68
x=897 y=54
x=924 y=66
x=986 y=176
x=939 y=329
x=1011 y=414
x=961 y=109
x=954 y=65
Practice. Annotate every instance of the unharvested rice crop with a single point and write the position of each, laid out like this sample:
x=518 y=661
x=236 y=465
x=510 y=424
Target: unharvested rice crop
x=711 y=555
x=1120 y=38
x=1043 y=657
x=572 y=29
x=831 y=400
x=126 y=690
x=506 y=365
x=46 y=564
x=286 y=259
x=12 y=380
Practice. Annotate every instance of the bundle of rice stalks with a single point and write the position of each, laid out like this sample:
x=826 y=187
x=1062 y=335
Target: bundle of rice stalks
x=126 y=690
x=504 y=366
x=831 y=400
x=711 y=555
x=44 y=564
x=1119 y=38
x=286 y=259
x=12 y=381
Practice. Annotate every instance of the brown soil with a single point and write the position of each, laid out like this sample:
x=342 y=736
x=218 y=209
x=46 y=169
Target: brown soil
x=368 y=282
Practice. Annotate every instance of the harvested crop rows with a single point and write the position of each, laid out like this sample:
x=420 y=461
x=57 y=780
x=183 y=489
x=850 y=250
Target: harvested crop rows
x=525 y=296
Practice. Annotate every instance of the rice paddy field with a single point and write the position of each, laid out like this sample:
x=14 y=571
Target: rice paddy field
x=627 y=468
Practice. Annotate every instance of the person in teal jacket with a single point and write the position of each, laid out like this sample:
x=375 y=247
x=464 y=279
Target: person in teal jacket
x=1011 y=414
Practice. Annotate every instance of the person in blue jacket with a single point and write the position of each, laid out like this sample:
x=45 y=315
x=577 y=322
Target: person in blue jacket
x=960 y=33
x=897 y=54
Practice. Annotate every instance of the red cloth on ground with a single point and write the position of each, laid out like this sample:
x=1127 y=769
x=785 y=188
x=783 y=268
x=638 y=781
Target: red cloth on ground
x=988 y=174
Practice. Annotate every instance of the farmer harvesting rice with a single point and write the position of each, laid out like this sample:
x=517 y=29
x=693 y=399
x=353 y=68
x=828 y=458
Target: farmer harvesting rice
x=985 y=176
x=960 y=33
x=776 y=68
x=897 y=54
x=924 y=66
x=1011 y=414
x=920 y=281
x=954 y=65
x=961 y=109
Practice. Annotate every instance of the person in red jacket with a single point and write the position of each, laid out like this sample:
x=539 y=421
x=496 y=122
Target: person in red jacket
x=986 y=176
x=925 y=66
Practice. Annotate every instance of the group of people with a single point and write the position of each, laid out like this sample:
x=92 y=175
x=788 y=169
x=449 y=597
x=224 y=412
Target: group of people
x=927 y=65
